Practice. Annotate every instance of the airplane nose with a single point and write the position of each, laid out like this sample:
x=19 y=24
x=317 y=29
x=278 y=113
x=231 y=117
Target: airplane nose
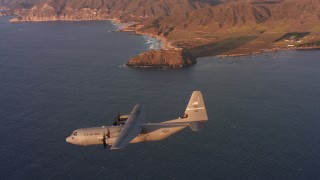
x=68 y=139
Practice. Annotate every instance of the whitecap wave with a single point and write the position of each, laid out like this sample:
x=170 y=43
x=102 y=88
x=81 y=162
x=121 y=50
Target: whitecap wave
x=123 y=66
x=120 y=26
x=152 y=43
x=116 y=25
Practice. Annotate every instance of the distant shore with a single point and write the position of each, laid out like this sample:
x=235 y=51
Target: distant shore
x=165 y=43
x=122 y=27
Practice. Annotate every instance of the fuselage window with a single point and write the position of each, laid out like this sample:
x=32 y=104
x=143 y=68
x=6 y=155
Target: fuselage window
x=74 y=133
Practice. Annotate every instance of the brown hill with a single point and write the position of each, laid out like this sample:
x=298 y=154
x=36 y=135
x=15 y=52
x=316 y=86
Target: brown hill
x=239 y=27
x=126 y=10
x=17 y=6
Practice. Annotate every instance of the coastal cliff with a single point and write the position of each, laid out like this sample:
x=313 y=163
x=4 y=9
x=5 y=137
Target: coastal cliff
x=174 y=58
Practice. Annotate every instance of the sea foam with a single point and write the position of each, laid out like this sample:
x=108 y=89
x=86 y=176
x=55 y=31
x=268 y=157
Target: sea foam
x=152 y=43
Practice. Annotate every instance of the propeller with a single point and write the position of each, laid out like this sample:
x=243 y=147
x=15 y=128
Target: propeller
x=104 y=140
x=108 y=134
x=117 y=119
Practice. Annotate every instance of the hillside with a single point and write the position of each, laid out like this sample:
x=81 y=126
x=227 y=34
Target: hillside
x=203 y=27
x=135 y=10
x=17 y=7
x=240 y=27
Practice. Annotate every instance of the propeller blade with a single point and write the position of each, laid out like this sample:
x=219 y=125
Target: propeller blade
x=116 y=119
x=108 y=134
x=104 y=140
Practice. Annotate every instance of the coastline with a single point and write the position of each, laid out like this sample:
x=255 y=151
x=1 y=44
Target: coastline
x=15 y=20
x=121 y=27
x=126 y=27
x=165 y=43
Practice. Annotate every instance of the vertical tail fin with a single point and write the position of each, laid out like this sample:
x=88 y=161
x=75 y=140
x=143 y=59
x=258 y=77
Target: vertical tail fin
x=196 y=109
x=195 y=114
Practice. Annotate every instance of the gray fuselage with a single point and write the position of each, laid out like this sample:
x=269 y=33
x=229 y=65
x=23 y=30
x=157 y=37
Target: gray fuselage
x=94 y=135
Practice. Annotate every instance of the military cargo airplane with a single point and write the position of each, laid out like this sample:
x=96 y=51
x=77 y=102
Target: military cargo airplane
x=133 y=129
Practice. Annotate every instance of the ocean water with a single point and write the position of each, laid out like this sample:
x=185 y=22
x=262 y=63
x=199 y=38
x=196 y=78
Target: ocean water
x=264 y=110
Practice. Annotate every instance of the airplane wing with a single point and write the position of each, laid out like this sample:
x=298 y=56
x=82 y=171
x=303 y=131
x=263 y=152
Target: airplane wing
x=131 y=128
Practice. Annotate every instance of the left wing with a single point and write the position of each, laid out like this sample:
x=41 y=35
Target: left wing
x=131 y=128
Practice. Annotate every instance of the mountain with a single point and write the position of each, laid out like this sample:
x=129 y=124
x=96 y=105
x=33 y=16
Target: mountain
x=126 y=10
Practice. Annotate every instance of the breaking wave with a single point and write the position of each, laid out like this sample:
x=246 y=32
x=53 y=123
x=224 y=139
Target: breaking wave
x=123 y=66
x=152 y=43
x=120 y=25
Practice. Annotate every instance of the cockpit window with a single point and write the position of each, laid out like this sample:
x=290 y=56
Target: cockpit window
x=74 y=133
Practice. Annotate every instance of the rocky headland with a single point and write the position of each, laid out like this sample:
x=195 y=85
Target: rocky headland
x=200 y=27
x=174 y=58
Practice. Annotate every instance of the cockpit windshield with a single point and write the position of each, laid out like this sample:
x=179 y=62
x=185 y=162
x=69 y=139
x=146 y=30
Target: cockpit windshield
x=74 y=133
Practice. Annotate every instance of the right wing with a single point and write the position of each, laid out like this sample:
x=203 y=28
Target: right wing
x=131 y=128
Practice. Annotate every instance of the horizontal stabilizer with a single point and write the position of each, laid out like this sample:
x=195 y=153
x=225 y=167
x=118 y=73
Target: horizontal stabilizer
x=196 y=126
x=163 y=125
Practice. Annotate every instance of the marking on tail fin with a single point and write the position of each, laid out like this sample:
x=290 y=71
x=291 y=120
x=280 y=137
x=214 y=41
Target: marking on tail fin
x=195 y=104
x=190 y=109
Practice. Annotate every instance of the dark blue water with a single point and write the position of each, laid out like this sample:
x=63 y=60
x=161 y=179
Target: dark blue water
x=264 y=110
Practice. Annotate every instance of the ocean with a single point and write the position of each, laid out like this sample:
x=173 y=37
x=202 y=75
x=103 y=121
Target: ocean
x=55 y=77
